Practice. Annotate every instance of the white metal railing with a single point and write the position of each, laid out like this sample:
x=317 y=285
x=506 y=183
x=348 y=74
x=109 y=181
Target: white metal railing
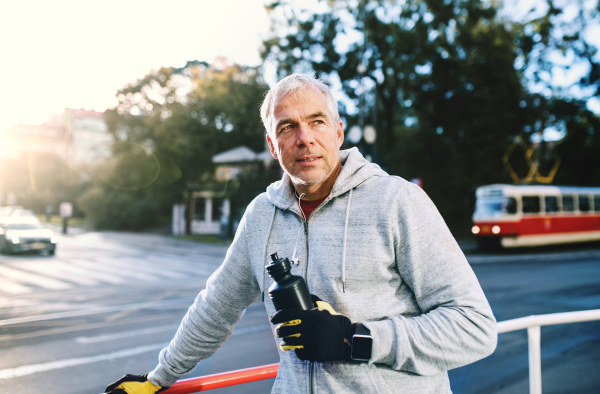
x=533 y=324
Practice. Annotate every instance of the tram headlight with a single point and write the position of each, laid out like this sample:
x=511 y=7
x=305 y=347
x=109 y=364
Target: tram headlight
x=496 y=229
x=475 y=229
x=15 y=240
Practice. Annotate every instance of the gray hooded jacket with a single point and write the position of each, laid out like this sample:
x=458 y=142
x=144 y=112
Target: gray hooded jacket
x=379 y=252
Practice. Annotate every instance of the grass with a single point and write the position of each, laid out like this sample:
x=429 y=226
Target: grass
x=56 y=219
x=204 y=238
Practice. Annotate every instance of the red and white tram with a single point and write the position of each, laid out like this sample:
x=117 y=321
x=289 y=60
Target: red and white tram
x=531 y=215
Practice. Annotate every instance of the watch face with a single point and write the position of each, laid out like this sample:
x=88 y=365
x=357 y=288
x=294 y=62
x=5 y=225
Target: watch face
x=361 y=347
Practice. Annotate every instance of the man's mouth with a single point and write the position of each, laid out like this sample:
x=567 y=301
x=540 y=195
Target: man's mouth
x=307 y=159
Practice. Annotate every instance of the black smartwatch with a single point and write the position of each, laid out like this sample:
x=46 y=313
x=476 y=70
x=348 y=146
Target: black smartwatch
x=362 y=343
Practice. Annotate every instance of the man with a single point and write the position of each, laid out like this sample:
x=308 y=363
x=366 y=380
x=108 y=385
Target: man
x=370 y=245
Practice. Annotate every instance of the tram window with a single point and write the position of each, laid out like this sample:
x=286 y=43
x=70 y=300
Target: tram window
x=511 y=206
x=568 y=204
x=597 y=203
x=551 y=204
x=531 y=204
x=584 y=203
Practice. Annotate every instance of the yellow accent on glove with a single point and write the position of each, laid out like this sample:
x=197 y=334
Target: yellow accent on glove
x=324 y=306
x=139 y=387
x=291 y=323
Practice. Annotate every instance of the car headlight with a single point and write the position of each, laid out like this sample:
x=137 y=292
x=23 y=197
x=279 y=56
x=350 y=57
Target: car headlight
x=15 y=240
x=54 y=239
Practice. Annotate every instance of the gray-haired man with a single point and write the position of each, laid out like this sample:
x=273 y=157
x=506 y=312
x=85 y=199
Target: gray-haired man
x=371 y=245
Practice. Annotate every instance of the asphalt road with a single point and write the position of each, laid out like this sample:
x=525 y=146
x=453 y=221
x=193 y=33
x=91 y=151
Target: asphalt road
x=108 y=302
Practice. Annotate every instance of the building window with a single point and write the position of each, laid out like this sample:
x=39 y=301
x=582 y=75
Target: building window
x=199 y=209
x=217 y=205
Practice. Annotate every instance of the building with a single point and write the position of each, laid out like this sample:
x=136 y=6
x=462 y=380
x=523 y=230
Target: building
x=76 y=136
x=208 y=206
x=45 y=138
x=87 y=134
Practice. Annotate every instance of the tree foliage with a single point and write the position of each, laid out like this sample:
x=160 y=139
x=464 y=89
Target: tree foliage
x=167 y=127
x=449 y=83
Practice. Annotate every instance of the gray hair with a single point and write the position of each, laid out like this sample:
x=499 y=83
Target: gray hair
x=292 y=84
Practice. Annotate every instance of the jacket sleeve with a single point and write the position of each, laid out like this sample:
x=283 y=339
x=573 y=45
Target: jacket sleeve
x=456 y=325
x=210 y=320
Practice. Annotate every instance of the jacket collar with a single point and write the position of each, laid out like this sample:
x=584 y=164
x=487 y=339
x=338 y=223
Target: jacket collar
x=355 y=170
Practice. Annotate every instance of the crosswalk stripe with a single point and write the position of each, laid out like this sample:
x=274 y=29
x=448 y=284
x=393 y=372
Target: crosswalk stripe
x=124 y=272
x=72 y=362
x=8 y=286
x=184 y=301
x=185 y=264
x=26 y=277
x=100 y=276
x=126 y=334
x=58 y=271
x=166 y=270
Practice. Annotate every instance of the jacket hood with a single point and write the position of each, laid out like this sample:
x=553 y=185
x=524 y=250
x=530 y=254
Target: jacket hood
x=355 y=170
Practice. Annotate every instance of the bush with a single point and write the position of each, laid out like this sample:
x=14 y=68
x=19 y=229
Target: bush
x=118 y=209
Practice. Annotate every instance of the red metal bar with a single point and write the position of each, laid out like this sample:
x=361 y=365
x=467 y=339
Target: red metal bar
x=225 y=379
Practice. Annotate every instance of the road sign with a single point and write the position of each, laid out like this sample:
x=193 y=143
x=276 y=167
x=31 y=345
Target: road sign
x=66 y=209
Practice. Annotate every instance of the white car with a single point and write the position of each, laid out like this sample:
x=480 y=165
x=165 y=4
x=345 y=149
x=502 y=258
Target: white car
x=24 y=234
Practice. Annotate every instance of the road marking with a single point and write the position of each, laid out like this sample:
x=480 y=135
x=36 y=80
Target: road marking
x=106 y=309
x=73 y=362
x=8 y=286
x=532 y=257
x=126 y=334
x=22 y=276
x=133 y=273
x=146 y=331
x=101 y=276
x=58 y=271
x=142 y=264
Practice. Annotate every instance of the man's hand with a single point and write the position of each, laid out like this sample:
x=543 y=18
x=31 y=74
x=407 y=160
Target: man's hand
x=315 y=335
x=133 y=384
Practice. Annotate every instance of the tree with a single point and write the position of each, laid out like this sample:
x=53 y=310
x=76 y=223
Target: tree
x=441 y=81
x=167 y=126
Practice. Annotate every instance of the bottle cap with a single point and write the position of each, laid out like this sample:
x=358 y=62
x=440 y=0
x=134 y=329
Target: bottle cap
x=278 y=266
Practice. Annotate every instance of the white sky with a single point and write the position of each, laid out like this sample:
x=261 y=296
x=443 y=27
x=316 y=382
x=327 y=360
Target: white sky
x=65 y=53
x=62 y=53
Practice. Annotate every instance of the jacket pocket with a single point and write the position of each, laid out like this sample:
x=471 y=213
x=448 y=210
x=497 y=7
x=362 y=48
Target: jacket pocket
x=348 y=377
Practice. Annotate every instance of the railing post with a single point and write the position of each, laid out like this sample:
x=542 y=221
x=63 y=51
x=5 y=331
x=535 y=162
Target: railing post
x=535 y=360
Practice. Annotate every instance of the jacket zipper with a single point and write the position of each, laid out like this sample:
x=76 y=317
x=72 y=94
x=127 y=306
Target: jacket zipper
x=311 y=365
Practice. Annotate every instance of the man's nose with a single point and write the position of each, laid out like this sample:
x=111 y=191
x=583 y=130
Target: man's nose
x=305 y=136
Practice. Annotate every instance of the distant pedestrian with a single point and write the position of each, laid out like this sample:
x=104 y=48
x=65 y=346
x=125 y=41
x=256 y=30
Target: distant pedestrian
x=48 y=213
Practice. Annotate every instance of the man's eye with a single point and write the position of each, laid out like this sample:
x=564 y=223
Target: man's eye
x=319 y=121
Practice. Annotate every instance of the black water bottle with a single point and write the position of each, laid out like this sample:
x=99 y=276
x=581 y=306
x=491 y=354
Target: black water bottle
x=289 y=291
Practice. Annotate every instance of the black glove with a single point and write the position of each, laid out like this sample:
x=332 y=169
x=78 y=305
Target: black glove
x=133 y=384
x=315 y=335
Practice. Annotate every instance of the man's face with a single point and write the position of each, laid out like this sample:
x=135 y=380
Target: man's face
x=307 y=139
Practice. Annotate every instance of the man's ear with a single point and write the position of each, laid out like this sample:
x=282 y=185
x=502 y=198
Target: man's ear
x=272 y=147
x=340 y=133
